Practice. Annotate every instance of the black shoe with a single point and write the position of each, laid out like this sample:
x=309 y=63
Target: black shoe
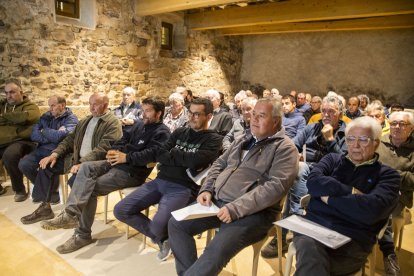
x=2 y=190
x=391 y=266
x=165 y=250
x=43 y=212
x=270 y=250
x=19 y=197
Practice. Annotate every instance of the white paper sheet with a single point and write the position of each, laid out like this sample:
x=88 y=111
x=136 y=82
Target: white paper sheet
x=309 y=228
x=195 y=211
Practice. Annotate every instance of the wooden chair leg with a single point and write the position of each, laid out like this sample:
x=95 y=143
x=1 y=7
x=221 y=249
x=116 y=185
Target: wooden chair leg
x=106 y=209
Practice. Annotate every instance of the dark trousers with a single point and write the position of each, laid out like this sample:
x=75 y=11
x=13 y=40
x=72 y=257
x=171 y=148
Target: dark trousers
x=29 y=164
x=47 y=182
x=11 y=156
x=170 y=196
x=228 y=241
x=314 y=258
x=386 y=243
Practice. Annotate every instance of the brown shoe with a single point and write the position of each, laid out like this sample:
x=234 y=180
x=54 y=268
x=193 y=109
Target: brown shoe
x=73 y=244
x=62 y=221
x=43 y=212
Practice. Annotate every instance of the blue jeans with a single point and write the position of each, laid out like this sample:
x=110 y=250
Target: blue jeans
x=314 y=258
x=296 y=192
x=170 y=196
x=228 y=241
x=29 y=164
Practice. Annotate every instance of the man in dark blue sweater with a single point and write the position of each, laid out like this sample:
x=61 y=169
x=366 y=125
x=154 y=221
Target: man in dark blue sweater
x=125 y=167
x=352 y=194
x=195 y=148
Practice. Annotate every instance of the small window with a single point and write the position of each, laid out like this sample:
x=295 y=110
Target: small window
x=166 y=36
x=68 y=8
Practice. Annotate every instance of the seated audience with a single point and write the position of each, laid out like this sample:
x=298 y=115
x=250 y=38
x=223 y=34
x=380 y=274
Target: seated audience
x=195 y=147
x=301 y=104
x=223 y=106
x=52 y=128
x=376 y=111
x=275 y=93
x=129 y=112
x=90 y=140
x=396 y=150
x=293 y=120
x=125 y=166
x=363 y=102
x=352 y=110
x=353 y=194
x=176 y=115
x=266 y=93
x=221 y=120
x=326 y=136
x=315 y=108
x=17 y=117
x=242 y=125
x=247 y=183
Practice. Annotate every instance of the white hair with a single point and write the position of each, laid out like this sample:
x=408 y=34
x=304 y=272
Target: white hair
x=404 y=114
x=249 y=101
x=213 y=94
x=366 y=122
x=176 y=97
x=334 y=99
x=129 y=90
x=240 y=96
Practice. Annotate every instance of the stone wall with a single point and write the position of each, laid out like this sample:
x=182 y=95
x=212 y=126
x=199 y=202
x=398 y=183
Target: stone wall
x=123 y=50
x=378 y=63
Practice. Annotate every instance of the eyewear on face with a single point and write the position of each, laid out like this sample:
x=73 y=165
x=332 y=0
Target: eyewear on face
x=401 y=124
x=328 y=111
x=195 y=114
x=362 y=140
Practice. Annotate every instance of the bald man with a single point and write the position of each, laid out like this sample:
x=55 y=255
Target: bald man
x=90 y=141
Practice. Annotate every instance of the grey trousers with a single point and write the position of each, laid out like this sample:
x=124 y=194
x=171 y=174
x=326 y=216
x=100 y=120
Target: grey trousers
x=95 y=178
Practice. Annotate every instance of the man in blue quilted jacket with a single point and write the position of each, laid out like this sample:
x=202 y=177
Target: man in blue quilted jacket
x=53 y=126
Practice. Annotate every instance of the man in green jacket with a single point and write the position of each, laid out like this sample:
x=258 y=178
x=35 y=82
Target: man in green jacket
x=17 y=117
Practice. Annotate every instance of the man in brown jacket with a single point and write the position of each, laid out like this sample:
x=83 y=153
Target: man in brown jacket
x=90 y=141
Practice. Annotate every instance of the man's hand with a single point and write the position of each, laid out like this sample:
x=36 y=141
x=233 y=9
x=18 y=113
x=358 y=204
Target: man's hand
x=51 y=159
x=224 y=215
x=327 y=132
x=355 y=191
x=75 y=169
x=115 y=157
x=204 y=198
x=127 y=122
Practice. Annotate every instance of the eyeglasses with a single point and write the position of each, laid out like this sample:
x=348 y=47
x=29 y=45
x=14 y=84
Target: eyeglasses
x=402 y=124
x=362 y=140
x=195 y=114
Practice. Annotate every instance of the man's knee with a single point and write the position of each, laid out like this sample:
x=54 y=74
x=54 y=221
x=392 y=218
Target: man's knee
x=119 y=212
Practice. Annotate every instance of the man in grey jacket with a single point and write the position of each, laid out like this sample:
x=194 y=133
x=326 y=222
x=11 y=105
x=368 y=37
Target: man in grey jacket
x=247 y=183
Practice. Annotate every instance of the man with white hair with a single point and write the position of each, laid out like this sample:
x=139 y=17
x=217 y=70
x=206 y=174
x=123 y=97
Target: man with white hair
x=222 y=121
x=241 y=126
x=235 y=110
x=313 y=143
x=353 y=194
x=396 y=150
x=129 y=112
x=176 y=115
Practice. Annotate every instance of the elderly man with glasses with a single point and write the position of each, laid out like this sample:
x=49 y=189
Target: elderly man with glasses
x=353 y=194
x=396 y=150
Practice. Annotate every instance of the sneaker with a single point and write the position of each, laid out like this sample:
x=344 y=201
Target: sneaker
x=165 y=250
x=270 y=250
x=43 y=212
x=73 y=244
x=63 y=220
x=2 y=190
x=20 y=197
x=391 y=266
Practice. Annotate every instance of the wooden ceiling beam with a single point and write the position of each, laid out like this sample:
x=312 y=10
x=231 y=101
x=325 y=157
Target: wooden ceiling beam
x=151 y=7
x=387 y=22
x=297 y=11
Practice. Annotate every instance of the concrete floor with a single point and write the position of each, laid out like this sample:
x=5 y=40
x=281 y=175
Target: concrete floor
x=30 y=250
